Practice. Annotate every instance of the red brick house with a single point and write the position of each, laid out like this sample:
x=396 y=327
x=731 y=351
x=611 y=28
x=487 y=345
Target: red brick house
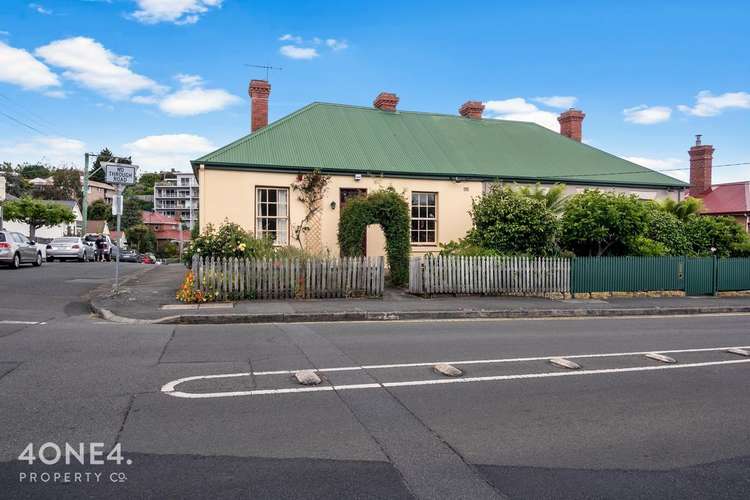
x=731 y=198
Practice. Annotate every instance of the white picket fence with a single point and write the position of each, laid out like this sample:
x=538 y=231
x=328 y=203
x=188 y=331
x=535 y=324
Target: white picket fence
x=431 y=275
x=237 y=278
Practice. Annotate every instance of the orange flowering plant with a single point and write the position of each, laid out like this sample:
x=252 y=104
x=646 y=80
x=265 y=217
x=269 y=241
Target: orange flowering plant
x=187 y=292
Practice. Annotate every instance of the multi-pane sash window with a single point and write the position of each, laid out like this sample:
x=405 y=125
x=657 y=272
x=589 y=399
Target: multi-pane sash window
x=272 y=214
x=423 y=217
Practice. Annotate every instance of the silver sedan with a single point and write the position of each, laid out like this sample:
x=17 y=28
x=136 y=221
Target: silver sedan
x=70 y=247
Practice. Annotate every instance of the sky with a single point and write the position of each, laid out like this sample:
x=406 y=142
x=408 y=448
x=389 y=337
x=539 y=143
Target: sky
x=165 y=81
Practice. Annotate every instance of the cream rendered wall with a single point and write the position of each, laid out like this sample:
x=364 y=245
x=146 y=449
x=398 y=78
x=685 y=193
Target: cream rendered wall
x=642 y=193
x=231 y=194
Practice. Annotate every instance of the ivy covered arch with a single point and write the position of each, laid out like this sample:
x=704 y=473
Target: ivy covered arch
x=387 y=208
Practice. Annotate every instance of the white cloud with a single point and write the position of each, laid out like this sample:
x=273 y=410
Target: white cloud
x=189 y=81
x=519 y=109
x=40 y=9
x=21 y=68
x=4 y=33
x=173 y=11
x=291 y=38
x=192 y=99
x=57 y=151
x=56 y=94
x=707 y=104
x=647 y=115
x=336 y=44
x=160 y=152
x=661 y=164
x=196 y=101
x=294 y=52
x=557 y=101
x=89 y=63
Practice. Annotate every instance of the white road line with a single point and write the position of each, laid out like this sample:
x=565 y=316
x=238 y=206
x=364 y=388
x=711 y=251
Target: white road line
x=12 y=322
x=412 y=383
x=493 y=361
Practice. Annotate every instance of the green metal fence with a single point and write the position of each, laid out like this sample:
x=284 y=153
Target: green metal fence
x=694 y=275
x=627 y=274
x=733 y=274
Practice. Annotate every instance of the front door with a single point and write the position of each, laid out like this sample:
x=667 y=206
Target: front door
x=346 y=194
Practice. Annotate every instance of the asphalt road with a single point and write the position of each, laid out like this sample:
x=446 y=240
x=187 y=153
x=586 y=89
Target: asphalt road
x=624 y=427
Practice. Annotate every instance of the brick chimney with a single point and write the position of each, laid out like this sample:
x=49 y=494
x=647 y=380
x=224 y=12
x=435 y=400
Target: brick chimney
x=571 y=123
x=471 y=109
x=259 y=91
x=701 y=162
x=386 y=101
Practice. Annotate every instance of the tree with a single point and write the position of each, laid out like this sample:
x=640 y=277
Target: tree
x=99 y=210
x=141 y=237
x=720 y=236
x=15 y=183
x=509 y=222
x=28 y=171
x=682 y=209
x=66 y=185
x=600 y=223
x=145 y=184
x=37 y=213
x=554 y=197
x=105 y=156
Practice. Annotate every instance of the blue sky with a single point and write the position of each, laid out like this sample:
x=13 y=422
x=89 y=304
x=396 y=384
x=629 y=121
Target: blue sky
x=165 y=80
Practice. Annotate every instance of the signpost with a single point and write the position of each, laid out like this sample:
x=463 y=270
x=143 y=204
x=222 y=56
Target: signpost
x=120 y=175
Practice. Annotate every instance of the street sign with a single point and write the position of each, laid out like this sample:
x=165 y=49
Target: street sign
x=117 y=205
x=118 y=173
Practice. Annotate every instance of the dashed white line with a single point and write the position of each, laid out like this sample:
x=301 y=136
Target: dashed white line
x=13 y=322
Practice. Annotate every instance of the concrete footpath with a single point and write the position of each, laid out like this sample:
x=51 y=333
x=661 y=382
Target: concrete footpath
x=148 y=297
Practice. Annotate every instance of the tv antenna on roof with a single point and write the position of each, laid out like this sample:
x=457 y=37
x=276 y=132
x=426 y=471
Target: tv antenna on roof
x=265 y=67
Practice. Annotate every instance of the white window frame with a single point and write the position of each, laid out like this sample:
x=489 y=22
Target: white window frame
x=282 y=220
x=419 y=205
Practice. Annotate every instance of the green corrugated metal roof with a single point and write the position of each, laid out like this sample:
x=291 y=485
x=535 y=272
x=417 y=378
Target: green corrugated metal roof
x=340 y=138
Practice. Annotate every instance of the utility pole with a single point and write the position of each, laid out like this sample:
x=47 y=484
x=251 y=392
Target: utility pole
x=85 y=197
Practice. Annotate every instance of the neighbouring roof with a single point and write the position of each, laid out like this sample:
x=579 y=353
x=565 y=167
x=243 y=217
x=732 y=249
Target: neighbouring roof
x=352 y=139
x=172 y=235
x=157 y=218
x=730 y=198
x=71 y=204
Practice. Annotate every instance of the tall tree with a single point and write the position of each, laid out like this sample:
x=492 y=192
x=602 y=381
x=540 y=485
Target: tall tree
x=31 y=171
x=37 y=213
x=99 y=210
x=682 y=209
x=141 y=237
x=105 y=156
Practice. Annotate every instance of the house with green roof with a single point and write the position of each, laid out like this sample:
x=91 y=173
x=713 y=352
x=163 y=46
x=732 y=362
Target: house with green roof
x=439 y=162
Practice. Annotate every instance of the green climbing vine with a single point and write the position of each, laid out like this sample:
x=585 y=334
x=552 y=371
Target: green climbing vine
x=311 y=188
x=389 y=209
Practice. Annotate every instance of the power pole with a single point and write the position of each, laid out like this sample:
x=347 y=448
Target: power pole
x=85 y=197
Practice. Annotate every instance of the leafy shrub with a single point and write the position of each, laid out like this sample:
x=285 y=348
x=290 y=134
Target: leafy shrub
x=648 y=248
x=188 y=294
x=464 y=248
x=508 y=222
x=602 y=223
x=388 y=209
x=230 y=240
x=666 y=228
x=723 y=234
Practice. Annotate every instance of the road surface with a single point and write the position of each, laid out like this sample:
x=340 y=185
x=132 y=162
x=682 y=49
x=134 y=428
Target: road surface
x=384 y=425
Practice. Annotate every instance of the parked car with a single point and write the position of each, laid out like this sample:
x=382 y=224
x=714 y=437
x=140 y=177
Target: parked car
x=149 y=258
x=106 y=250
x=130 y=256
x=17 y=249
x=71 y=247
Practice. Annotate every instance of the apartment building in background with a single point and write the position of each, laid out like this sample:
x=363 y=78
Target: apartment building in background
x=178 y=197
